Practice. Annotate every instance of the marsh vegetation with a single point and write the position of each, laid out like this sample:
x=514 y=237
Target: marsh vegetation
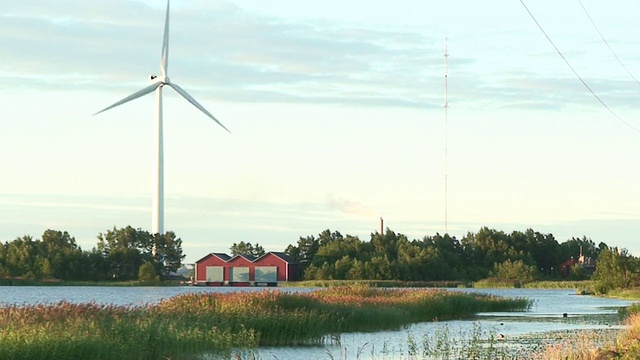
x=190 y=325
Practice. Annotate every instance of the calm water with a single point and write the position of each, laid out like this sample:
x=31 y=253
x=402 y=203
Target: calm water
x=116 y=295
x=545 y=315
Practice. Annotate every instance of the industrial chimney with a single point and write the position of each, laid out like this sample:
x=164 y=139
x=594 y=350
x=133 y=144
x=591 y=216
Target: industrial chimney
x=381 y=226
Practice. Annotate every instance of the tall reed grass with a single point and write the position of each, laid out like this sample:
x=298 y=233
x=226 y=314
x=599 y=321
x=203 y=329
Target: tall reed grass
x=378 y=283
x=565 y=284
x=496 y=283
x=91 y=331
x=629 y=293
x=190 y=325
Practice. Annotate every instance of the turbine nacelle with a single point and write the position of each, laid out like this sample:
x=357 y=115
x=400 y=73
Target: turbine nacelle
x=159 y=79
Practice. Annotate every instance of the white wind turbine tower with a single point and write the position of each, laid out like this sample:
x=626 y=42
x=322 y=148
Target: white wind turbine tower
x=157 y=219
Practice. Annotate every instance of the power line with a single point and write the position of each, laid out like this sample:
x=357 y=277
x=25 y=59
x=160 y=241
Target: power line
x=607 y=43
x=575 y=72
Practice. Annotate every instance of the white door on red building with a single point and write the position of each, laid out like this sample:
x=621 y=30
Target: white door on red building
x=239 y=274
x=215 y=274
x=267 y=274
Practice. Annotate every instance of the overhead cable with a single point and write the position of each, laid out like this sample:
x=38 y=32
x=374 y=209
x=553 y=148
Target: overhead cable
x=607 y=43
x=575 y=72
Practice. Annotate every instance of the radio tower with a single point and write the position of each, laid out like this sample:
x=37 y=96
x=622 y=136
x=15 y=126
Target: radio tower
x=446 y=137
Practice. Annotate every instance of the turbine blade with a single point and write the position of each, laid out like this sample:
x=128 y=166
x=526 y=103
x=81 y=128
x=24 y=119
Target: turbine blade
x=164 y=58
x=133 y=96
x=193 y=101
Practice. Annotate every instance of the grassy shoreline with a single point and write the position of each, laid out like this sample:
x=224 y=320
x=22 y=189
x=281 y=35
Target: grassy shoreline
x=481 y=284
x=190 y=325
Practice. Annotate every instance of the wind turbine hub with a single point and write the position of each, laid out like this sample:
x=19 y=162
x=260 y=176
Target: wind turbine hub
x=162 y=79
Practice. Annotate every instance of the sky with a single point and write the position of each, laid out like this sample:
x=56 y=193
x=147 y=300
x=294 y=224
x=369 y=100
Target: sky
x=337 y=118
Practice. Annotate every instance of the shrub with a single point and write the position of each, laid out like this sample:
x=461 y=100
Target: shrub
x=147 y=273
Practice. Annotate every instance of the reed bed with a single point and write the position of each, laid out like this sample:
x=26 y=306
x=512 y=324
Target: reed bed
x=91 y=331
x=565 y=284
x=629 y=294
x=189 y=325
x=495 y=283
x=379 y=283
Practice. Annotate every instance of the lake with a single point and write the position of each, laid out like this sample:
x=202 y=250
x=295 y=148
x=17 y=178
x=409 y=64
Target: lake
x=549 y=306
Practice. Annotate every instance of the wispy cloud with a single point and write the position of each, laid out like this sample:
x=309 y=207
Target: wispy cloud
x=352 y=207
x=241 y=56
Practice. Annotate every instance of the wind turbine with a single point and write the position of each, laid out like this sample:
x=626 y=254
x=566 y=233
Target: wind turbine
x=157 y=216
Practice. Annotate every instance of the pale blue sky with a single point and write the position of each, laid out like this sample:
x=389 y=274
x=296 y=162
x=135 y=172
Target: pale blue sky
x=336 y=113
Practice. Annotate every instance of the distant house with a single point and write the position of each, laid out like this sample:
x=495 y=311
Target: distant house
x=587 y=263
x=218 y=269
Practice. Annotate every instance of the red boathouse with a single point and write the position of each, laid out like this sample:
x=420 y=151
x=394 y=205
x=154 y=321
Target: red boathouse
x=218 y=269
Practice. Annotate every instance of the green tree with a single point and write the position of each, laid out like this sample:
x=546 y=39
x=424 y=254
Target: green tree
x=147 y=273
x=545 y=251
x=382 y=268
x=334 y=250
x=515 y=270
x=342 y=268
x=574 y=247
x=359 y=271
x=125 y=250
x=169 y=256
x=310 y=272
x=387 y=245
x=305 y=250
x=325 y=272
x=411 y=263
x=63 y=254
x=436 y=267
x=327 y=236
x=4 y=272
x=486 y=247
x=45 y=269
x=577 y=273
x=615 y=269
x=21 y=257
x=246 y=248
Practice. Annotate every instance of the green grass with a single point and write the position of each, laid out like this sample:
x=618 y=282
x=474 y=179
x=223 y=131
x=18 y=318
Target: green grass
x=190 y=325
x=629 y=294
x=564 y=284
x=377 y=283
x=491 y=283
x=544 y=284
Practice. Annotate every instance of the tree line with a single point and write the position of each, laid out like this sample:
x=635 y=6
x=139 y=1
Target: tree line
x=119 y=254
x=519 y=255
x=129 y=254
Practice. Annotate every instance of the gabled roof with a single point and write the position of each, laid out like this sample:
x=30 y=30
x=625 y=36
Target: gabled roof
x=249 y=258
x=283 y=256
x=222 y=256
x=226 y=258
